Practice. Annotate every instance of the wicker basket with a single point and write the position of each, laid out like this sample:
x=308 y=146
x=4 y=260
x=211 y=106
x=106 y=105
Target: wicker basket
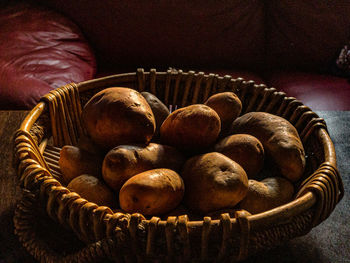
x=55 y=121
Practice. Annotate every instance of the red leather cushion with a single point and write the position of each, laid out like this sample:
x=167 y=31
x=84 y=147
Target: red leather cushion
x=40 y=50
x=306 y=34
x=171 y=33
x=319 y=92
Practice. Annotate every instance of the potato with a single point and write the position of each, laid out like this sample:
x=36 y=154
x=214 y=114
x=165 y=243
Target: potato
x=280 y=139
x=213 y=182
x=267 y=194
x=86 y=143
x=244 y=149
x=125 y=161
x=93 y=190
x=116 y=116
x=160 y=111
x=227 y=105
x=153 y=192
x=191 y=128
x=75 y=161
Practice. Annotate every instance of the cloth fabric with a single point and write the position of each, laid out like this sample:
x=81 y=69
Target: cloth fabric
x=305 y=35
x=132 y=34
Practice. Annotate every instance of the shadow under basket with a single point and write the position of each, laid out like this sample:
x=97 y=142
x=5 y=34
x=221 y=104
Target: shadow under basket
x=55 y=121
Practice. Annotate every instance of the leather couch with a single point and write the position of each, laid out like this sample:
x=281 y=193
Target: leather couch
x=291 y=45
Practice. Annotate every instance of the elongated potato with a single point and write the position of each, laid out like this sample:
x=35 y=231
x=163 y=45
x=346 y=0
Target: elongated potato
x=244 y=149
x=280 y=139
x=75 y=161
x=153 y=192
x=125 y=161
x=191 y=128
x=213 y=182
x=116 y=116
x=267 y=194
x=160 y=111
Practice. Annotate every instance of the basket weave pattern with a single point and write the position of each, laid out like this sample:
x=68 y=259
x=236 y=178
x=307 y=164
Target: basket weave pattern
x=125 y=237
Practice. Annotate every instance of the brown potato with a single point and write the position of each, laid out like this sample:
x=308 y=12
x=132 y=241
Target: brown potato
x=125 y=161
x=267 y=194
x=191 y=128
x=160 y=111
x=75 y=161
x=244 y=149
x=116 y=116
x=280 y=139
x=213 y=182
x=93 y=190
x=153 y=192
x=86 y=143
x=227 y=105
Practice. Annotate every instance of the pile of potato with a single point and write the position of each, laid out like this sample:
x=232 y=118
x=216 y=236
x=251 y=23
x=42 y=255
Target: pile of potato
x=200 y=159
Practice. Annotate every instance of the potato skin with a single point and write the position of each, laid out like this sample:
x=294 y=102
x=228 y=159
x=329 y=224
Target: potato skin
x=93 y=190
x=116 y=116
x=191 y=128
x=153 y=192
x=227 y=105
x=75 y=161
x=160 y=111
x=244 y=149
x=213 y=182
x=125 y=161
x=267 y=194
x=85 y=143
x=280 y=139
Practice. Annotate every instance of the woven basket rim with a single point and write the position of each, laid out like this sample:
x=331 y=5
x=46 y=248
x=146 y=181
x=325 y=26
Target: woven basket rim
x=307 y=200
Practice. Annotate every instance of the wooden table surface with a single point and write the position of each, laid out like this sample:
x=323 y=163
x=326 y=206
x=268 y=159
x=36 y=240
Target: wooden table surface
x=328 y=242
x=10 y=248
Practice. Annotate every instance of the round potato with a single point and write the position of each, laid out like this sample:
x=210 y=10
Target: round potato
x=244 y=149
x=191 y=128
x=160 y=111
x=280 y=139
x=93 y=190
x=75 y=161
x=227 y=105
x=125 y=161
x=116 y=116
x=267 y=194
x=213 y=182
x=153 y=192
